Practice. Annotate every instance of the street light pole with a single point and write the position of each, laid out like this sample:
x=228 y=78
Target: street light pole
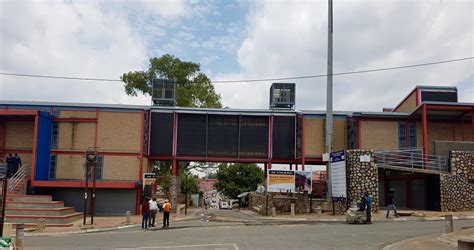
x=4 y=201
x=329 y=120
x=86 y=190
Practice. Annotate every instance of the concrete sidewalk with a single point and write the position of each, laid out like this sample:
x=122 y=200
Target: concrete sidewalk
x=405 y=215
x=109 y=223
x=434 y=242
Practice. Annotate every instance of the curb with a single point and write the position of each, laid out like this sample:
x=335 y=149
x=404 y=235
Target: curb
x=95 y=230
x=397 y=244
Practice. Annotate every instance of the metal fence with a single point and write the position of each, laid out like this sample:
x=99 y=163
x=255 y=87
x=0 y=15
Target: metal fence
x=411 y=159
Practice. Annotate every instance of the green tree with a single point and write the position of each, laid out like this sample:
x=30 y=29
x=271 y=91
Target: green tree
x=194 y=88
x=237 y=178
x=189 y=183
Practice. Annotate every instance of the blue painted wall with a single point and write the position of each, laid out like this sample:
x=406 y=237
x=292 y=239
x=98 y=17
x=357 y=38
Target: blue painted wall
x=43 y=146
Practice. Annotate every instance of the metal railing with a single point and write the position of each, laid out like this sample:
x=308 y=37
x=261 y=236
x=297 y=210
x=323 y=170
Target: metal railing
x=411 y=159
x=18 y=177
x=3 y=169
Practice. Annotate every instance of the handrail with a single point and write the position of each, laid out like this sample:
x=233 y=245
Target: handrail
x=411 y=159
x=18 y=177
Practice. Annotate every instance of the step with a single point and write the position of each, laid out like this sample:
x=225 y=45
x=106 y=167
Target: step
x=61 y=219
x=40 y=211
x=33 y=225
x=28 y=204
x=32 y=198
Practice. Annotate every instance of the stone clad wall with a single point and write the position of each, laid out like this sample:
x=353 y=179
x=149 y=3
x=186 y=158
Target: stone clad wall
x=361 y=177
x=282 y=202
x=457 y=192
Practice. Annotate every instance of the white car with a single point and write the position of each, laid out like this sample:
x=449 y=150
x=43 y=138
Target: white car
x=224 y=205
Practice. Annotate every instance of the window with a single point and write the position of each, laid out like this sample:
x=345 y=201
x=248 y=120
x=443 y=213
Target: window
x=55 y=135
x=56 y=113
x=412 y=135
x=402 y=135
x=53 y=161
x=98 y=169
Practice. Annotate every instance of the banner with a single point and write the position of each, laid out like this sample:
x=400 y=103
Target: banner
x=338 y=174
x=303 y=181
x=281 y=181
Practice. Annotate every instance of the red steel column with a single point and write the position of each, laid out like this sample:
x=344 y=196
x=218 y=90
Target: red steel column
x=302 y=142
x=140 y=164
x=425 y=131
x=359 y=124
x=454 y=130
x=472 y=124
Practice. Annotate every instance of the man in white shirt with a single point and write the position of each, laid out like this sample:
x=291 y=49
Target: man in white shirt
x=153 y=211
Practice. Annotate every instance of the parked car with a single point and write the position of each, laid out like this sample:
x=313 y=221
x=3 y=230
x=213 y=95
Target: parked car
x=224 y=205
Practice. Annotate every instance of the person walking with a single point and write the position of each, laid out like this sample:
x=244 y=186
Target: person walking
x=153 y=211
x=206 y=203
x=166 y=213
x=145 y=213
x=368 y=198
x=16 y=163
x=9 y=162
x=391 y=204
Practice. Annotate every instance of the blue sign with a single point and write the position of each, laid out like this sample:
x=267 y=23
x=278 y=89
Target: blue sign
x=337 y=156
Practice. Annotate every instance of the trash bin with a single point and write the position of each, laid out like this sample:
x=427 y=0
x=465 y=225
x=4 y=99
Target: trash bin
x=6 y=242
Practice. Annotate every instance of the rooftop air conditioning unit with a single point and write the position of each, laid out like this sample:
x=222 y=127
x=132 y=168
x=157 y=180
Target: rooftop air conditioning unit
x=164 y=92
x=282 y=96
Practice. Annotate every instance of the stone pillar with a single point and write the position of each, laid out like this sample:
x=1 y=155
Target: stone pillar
x=456 y=191
x=361 y=177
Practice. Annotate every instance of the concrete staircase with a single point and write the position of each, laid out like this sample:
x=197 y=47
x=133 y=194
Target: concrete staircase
x=28 y=209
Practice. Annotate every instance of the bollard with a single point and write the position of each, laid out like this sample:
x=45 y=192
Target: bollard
x=274 y=211
x=292 y=209
x=41 y=225
x=448 y=223
x=127 y=218
x=178 y=209
x=465 y=244
x=19 y=235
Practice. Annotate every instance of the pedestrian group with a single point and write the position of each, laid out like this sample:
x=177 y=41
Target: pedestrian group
x=150 y=209
x=13 y=164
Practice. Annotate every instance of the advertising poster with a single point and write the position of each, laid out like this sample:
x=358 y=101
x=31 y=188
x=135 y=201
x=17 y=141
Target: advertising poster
x=338 y=174
x=281 y=180
x=303 y=181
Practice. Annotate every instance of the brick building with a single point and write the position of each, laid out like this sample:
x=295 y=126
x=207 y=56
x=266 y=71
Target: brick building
x=53 y=139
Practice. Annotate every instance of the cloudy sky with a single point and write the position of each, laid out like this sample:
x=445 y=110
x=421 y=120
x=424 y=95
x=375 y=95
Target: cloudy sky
x=237 y=40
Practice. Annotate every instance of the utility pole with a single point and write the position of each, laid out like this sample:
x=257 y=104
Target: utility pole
x=329 y=121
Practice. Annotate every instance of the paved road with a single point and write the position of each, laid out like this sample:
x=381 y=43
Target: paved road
x=205 y=235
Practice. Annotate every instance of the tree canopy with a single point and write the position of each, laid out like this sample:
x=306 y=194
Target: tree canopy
x=235 y=179
x=194 y=88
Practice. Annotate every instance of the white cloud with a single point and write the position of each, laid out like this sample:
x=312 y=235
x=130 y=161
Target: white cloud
x=288 y=39
x=79 y=39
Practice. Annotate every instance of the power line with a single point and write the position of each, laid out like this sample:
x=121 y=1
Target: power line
x=62 y=77
x=254 y=80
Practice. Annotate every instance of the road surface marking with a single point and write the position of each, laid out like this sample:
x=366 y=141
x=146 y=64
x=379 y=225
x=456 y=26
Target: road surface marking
x=188 y=246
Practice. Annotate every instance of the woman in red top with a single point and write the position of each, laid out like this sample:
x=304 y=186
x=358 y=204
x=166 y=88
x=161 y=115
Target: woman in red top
x=145 y=213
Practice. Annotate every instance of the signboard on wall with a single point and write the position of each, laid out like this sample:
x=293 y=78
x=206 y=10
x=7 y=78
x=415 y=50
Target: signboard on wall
x=303 y=181
x=338 y=174
x=281 y=180
x=148 y=179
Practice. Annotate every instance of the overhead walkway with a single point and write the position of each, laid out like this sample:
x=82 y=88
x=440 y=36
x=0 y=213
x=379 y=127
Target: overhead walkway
x=412 y=160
